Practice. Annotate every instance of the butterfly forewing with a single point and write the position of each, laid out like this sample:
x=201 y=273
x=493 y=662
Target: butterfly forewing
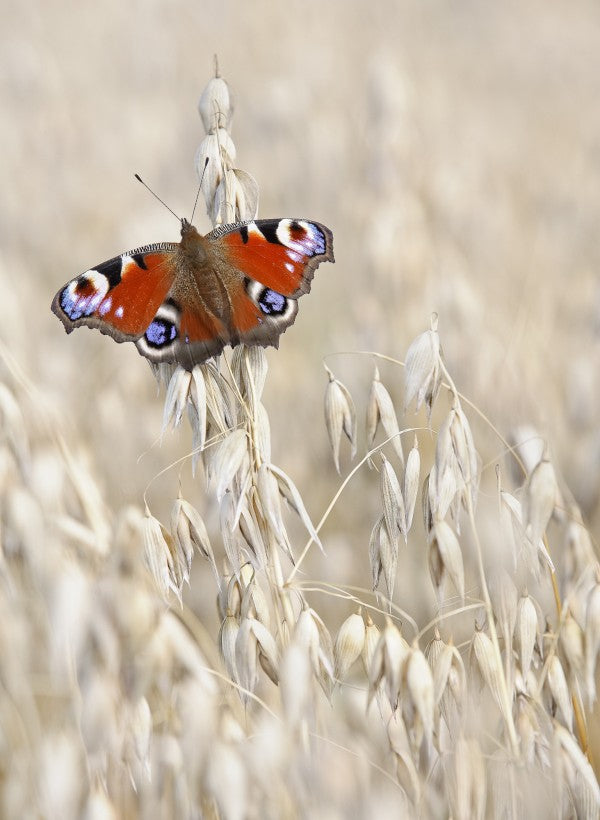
x=281 y=254
x=121 y=296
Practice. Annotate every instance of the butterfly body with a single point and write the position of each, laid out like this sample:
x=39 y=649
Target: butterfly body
x=184 y=302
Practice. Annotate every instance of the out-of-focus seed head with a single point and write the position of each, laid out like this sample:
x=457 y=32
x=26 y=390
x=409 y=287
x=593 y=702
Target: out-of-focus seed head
x=227 y=641
x=420 y=690
x=577 y=771
x=349 y=644
x=557 y=687
x=166 y=569
x=540 y=497
x=592 y=637
x=189 y=533
x=488 y=663
x=467 y=780
x=572 y=642
x=503 y=594
x=387 y=663
x=526 y=632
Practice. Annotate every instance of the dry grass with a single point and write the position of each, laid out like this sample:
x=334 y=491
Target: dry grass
x=455 y=163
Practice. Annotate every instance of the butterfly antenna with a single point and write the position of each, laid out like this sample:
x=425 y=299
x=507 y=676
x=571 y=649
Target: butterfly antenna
x=199 y=189
x=139 y=179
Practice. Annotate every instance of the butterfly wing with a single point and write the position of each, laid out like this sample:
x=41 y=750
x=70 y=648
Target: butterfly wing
x=120 y=297
x=185 y=302
x=275 y=261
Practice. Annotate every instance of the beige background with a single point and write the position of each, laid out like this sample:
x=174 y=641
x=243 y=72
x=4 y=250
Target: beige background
x=454 y=149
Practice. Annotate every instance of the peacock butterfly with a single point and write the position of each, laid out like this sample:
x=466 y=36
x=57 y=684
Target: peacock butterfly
x=185 y=301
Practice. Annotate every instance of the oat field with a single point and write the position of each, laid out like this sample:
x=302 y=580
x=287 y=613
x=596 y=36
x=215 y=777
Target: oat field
x=356 y=576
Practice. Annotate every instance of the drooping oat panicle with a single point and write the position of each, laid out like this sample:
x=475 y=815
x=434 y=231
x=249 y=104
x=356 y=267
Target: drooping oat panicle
x=340 y=417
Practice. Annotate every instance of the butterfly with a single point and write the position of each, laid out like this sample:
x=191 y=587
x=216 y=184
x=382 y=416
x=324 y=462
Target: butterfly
x=183 y=302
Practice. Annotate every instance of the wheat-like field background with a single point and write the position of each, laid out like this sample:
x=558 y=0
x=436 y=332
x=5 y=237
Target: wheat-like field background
x=454 y=151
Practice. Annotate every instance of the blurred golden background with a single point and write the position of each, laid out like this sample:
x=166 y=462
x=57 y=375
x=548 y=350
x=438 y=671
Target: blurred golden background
x=452 y=148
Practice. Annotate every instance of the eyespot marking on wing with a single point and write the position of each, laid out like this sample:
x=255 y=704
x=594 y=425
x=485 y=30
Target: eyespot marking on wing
x=84 y=295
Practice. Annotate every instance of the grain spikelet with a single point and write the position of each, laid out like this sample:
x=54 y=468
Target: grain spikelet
x=381 y=408
x=349 y=644
x=372 y=635
x=559 y=690
x=387 y=663
x=592 y=636
x=526 y=632
x=411 y=482
x=446 y=558
x=579 y=774
x=488 y=664
x=288 y=490
x=227 y=642
x=176 y=400
x=420 y=690
x=157 y=543
x=394 y=513
x=422 y=376
x=231 y=457
x=539 y=501
x=340 y=417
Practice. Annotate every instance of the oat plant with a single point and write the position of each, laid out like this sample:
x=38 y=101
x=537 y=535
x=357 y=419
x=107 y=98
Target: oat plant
x=118 y=702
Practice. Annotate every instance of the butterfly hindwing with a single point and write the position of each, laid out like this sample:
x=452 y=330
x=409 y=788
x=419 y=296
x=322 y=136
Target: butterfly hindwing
x=120 y=297
x=281 y=254
x=179 y=334
x=275 y=261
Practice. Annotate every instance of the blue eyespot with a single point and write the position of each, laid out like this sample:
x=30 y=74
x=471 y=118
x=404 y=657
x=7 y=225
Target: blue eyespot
x=160 y=333
x=271 y=302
